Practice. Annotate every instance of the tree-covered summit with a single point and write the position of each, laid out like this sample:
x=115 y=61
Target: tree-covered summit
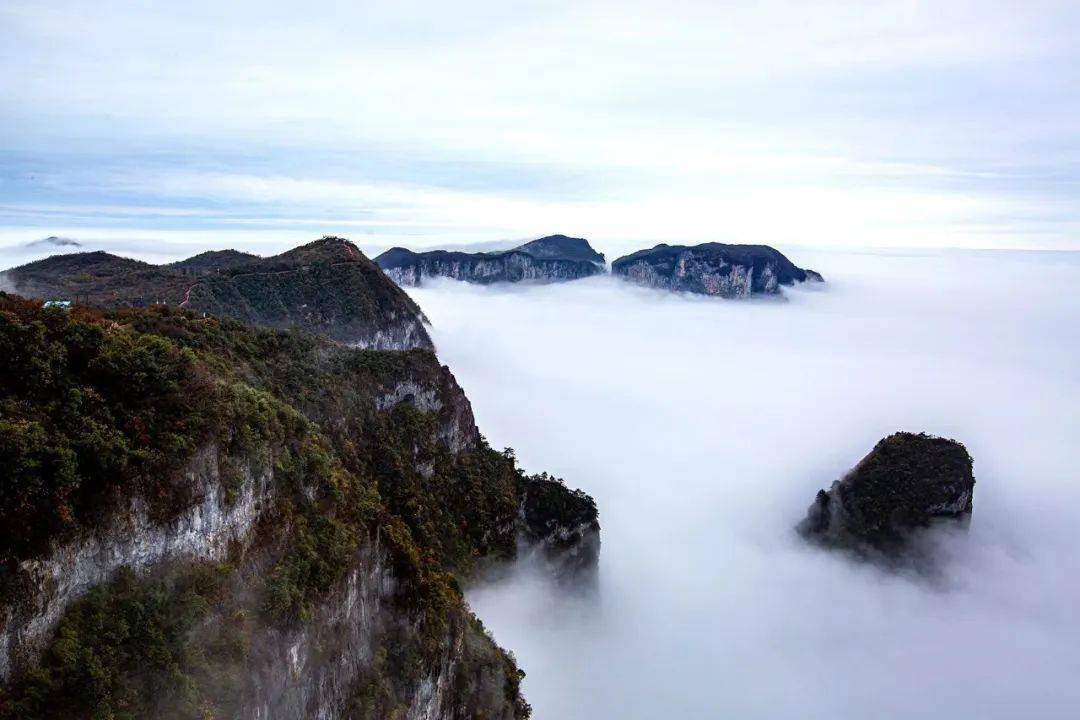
x=327 y=286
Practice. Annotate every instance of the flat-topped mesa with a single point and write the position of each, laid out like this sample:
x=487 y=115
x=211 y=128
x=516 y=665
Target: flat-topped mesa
x=327 y=286
x=907 y=483
x=548 y=259
x=562 y=247
x=730 y=271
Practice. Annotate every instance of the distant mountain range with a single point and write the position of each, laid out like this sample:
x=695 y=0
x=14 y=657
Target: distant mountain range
x=709 y=269
x=327 y=286
x=547 y=259
x=330 y=287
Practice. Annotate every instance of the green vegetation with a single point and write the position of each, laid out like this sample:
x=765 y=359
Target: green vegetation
x=86 y=413
x=96 y=407
x=327 y=286
x=550 y=505
x=133 y=649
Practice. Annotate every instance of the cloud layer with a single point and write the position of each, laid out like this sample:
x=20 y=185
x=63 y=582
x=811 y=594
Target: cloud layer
x=704 y=428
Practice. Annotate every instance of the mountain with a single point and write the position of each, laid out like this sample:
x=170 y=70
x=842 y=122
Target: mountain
x=206 y=519
x=215 y=261
x=905 y=484
x=548 y=259
x=712 y=269
x=327 y=286
x=54 y=241
x=561 y=247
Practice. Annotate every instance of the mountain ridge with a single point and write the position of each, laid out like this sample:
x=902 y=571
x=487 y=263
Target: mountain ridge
x=548 y=259
x=327 y=286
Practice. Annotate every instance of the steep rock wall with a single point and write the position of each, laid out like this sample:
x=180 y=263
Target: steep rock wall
x=132 y=539
x=729 y=271
x=410 y=269
x=304 y=561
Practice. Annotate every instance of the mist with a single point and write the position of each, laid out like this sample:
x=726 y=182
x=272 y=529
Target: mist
x=703 y=428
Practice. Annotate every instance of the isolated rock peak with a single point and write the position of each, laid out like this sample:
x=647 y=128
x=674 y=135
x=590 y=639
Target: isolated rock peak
x=908 y=482
x=730 y=271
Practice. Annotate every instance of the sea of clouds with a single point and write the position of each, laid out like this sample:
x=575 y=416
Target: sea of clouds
x=704 y=427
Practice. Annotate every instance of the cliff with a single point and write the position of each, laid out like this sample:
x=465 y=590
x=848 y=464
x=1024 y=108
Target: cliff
x=729 y=271
x=204 y=519
x=905 y=484
x=550 y=259
x=327 y=286
x=561 y=525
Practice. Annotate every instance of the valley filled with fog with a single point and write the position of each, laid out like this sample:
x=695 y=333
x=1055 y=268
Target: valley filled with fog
x=703 y=428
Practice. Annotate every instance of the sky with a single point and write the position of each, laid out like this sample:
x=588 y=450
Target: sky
x=261 y=125
x=704 y=428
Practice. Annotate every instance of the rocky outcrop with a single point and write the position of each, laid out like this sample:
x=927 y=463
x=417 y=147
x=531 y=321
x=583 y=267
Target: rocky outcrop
x=327 y=286
x=561 y=525
x=292 y=678
x=205 y=530
x=456 y=426
x=316 y=669
x=398 y=333
x=907 y=483
x=730 y=271
x=550 y=259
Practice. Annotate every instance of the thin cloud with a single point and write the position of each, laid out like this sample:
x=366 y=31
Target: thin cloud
x=365 y=109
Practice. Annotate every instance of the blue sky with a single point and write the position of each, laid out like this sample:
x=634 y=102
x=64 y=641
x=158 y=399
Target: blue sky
x=900 y=124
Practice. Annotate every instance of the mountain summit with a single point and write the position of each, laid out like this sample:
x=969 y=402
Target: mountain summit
x=327 y=286
x=561 y=247
x=712 y=269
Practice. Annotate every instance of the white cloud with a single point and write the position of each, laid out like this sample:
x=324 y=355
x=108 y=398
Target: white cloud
x=751 y=211
x=704 y=428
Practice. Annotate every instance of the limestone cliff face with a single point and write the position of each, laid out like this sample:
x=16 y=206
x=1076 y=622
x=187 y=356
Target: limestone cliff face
x=730 y=271
x=399 y=333
x=552 y=259
x=306 y=670
x=222 y=515
x=304 y=561
x=314 y=670
x=203 y=531
x=560 y=525
x=309 y=670
x=456 y=427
